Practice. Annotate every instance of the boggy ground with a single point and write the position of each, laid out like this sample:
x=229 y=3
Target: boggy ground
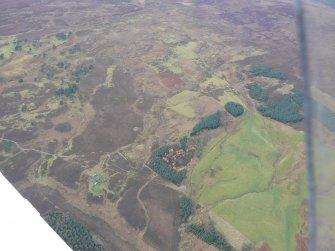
x=86 y=153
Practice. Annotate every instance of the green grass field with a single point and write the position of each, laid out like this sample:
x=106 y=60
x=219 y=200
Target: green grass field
x=97 y=190
x=235 y=178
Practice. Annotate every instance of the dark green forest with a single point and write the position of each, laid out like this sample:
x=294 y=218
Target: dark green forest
x=72 y=232
x=285 y=110
x=210 y=235
x=166 y=171
x=234 y=109
x=268 y=72
x=213 y=121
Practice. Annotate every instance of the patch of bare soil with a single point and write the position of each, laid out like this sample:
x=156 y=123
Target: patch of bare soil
x=162 y=204
x=170 y=80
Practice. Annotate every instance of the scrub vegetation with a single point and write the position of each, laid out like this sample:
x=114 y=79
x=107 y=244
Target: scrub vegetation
x=286 y=110
x=256 y=92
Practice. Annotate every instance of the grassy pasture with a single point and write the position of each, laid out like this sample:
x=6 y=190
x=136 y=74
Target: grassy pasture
x=235 y=177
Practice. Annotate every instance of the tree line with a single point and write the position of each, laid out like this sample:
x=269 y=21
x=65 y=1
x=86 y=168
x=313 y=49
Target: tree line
x=185 y=205
x=213 y=121
x=210 y=235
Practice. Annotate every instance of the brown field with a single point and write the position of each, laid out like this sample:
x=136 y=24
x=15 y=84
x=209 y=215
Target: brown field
x=15 y=170
x=163 y=210
x=67 y=173
x=130 y=208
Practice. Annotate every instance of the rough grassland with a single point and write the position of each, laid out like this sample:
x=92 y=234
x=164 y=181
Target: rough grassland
x=215 y=81
x=236 y=174
x=229 y=97
x=181 y=103
x=186 y=51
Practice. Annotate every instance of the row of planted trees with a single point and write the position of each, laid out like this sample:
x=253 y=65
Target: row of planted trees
x=207 y=233
x=72 y=232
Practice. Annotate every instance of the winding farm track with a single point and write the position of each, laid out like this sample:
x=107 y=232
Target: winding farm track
x=153 y=176
x=23 y=149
